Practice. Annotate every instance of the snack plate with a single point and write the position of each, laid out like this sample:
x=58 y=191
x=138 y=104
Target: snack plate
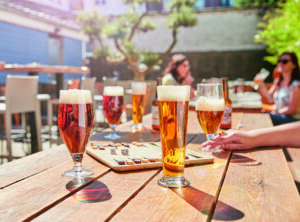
x=136 y=155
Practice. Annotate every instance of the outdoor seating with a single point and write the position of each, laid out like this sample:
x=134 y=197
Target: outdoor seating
x=21 y=94
x=47 y=99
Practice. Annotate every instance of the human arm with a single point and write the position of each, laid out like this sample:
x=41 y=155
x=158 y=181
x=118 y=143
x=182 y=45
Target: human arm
x=294 y=102
x=265 y=93
x=188 y=80
x=283 y=135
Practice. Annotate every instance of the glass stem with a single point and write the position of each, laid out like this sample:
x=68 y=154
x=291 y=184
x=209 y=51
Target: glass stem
x=113 y=127
x=210 y=136
x=77 y=159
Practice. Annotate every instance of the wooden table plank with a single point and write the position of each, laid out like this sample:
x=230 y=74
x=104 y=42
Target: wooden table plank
x=114 y=181
x=116 y=189
x=20 y=169
x=252 y=186
x=30 y=196
x=32 y=68
x=294 y=164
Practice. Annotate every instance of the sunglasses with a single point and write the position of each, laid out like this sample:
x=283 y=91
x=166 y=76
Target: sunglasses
x=283 y=61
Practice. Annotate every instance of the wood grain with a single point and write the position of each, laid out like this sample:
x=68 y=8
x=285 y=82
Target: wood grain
x=45 y=69
x=116 y=189
x=30 y=196
x=294 y=164
x=253 y=187
x=117 y=184
x=20 y=169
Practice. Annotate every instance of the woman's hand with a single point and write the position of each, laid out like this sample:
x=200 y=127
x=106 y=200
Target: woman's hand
x=189 y=79
x=233 y=140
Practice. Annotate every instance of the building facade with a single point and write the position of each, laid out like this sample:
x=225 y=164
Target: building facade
x=40 y=32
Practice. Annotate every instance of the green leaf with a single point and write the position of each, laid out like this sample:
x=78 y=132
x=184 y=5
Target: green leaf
x=280 y=30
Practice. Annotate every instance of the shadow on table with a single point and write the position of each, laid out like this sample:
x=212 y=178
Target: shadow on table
x=143 y=136
x=203 y=202
x=238 y=158
x=92 y=193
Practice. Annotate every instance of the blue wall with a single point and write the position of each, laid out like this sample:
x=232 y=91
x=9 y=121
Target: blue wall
x=22 y=46
x=72 y=55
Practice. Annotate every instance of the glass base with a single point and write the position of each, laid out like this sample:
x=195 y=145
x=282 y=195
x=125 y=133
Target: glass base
x=112 y=136
x=173 y=182
x=77 y=172
x=137 y=127
x=215 y=150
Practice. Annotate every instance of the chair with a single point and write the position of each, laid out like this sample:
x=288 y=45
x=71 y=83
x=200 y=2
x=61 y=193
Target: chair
x=21 y=97
x=47 y=99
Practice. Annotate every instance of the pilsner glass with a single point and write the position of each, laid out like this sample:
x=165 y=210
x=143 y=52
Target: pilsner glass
x=75 y=123
x=138 y=93
x=173 y=108
x=210 y=106
x=113 y=99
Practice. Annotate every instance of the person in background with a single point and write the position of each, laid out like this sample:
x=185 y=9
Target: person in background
x=285 y=90
x=178 y=72
x=285 y=135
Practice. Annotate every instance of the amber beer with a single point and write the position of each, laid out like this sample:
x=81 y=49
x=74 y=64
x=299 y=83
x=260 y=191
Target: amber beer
x=138 y=93
x=227 y=119
x=113 y=100
x=75 y=119
x=210 y=113
x=173 y=107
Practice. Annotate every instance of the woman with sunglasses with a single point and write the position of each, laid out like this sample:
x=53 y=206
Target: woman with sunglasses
x=178 y=72
x=285 y=90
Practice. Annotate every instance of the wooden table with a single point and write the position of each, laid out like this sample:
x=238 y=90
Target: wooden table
x=35 y=69
x=253 y=185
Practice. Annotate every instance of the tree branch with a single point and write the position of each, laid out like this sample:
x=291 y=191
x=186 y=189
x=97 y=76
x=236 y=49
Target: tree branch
x=163 y=55
x=132 y=64
x=138 y=22
x=99 y=40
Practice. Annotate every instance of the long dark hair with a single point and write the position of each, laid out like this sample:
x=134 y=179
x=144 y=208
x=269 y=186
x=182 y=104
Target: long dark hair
x=296 y=70
x=176 y=60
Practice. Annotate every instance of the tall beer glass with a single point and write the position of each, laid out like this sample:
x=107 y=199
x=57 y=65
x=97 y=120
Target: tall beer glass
x=210 y=106
x=138 y=93
x=75 y=123
x=173 y=107
x=113 y=100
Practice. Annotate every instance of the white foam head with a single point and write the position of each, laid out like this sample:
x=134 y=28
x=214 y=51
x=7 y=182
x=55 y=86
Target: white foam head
x=210 y=104
x=113 y=91
x=173 y=93
x=138 y=88
x=75 y=96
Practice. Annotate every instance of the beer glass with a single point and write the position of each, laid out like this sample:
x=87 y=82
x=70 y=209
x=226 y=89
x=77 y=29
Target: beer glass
x=138 y=93
x=173 y=108
x=113 y=99
x=75 y=123
x=210 y=107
